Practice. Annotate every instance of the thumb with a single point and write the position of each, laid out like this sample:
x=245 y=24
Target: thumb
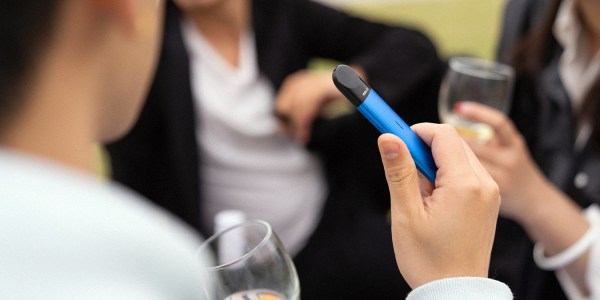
x=401 y=175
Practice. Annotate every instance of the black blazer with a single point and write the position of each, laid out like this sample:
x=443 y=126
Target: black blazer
x=350 y=254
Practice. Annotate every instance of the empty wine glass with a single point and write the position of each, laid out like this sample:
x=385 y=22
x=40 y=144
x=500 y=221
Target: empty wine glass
x=250 y=263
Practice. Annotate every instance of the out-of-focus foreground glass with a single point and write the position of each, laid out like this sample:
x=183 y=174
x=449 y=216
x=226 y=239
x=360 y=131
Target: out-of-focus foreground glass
x=250 y=263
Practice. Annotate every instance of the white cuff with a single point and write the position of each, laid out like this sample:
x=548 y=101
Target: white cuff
x=570 y=254
x=464 y=288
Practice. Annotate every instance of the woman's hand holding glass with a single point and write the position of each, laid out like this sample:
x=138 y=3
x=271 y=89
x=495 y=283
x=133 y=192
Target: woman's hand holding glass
x=476 y=80
x=506 y=157
x=528 y=197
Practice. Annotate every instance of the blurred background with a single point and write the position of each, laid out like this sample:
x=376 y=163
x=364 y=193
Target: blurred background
x=458 y=27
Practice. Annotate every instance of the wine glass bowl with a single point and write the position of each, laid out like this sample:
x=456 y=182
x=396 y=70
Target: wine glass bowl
x=249 y=262
x=476 y=80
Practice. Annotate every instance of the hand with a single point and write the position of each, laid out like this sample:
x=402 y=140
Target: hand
x=546 y=213
x=300 y=100
x=446 y=230
x=507 y=159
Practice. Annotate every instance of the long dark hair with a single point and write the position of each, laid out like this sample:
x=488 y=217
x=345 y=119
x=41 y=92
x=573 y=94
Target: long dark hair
x=25 y=27
x=534 y=51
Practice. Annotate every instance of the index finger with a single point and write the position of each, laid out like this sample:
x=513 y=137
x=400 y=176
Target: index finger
x=502 y=126
x=446 y=145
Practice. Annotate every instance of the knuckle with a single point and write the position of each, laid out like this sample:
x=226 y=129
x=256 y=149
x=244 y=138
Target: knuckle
x=492 y=191
x=512 y=162
x=504 y=124
x=398 y=173
x=472 y=187
x=520 y=143
x=447 y=129
x=482 y=190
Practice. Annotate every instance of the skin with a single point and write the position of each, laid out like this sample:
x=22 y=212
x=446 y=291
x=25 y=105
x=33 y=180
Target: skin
x=301 y=99
x=446 y=230
x=89 y=84
x=89 y=81
x=548 y=215
x=588 y=11
x=528 y=197
x=302 y=96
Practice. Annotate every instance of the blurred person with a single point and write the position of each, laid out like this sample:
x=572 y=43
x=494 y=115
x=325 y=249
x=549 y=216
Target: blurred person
x=74 y=73
x=547 y=163
x=209 y=139
x=66 y=234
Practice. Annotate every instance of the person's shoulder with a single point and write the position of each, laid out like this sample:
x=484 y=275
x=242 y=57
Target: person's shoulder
x=67 y=227
x=286 y=5
x=519 y=17
x=526 y=11
x=46 y=191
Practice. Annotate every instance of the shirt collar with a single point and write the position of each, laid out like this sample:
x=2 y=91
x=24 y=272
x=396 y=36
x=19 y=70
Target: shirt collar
x=567 y=27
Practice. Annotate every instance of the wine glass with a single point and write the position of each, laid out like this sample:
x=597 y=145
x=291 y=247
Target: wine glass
x=249 y=263
x=476 y=80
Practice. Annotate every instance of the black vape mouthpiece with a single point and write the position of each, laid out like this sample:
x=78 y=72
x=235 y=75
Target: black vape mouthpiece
x=350 y=84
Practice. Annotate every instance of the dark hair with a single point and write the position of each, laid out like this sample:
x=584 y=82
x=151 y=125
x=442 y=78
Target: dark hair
x=25 y=28
x=534 y=51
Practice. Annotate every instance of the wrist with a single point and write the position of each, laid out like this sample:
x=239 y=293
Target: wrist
x=538 y=200
x=328 y=88
x=556 y=222
x=360 y=71
x=475 y=267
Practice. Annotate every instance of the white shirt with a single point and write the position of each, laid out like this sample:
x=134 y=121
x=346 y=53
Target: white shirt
x=246 y=163
x=592 y=244
x=577 y=70
x=66 y=235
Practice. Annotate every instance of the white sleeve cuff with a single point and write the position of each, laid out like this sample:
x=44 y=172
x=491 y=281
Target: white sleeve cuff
x=468 y=288
x=593 y=266
x=570 y=254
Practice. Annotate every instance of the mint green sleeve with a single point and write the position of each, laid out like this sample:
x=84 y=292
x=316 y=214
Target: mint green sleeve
x=466 y=288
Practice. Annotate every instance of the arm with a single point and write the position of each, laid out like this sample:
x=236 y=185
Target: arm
x=393 y=58
x=592 y=276
x=550 y=218
x=401 y=63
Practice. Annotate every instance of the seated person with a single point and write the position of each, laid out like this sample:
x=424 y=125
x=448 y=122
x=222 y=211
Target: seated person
x=209 y=140
x=64 y=88
x=68 y=235
x=547 y=163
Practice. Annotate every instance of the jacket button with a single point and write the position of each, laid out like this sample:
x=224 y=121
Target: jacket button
x=581 y=180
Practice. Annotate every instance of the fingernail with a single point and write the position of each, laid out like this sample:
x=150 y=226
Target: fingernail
x=461 y=107
x=389 y=150
x=457 y=107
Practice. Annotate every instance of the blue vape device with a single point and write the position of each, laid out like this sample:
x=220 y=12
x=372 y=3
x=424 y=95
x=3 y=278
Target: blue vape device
x=383 y=117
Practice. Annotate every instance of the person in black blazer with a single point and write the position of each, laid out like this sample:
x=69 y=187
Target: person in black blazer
x=547 y=160
x=349 y=255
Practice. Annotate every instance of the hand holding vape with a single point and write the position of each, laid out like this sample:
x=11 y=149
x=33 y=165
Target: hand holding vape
x=383 y=117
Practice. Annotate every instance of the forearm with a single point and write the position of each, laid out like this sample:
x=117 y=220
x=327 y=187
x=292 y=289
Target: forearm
x=557 y=224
